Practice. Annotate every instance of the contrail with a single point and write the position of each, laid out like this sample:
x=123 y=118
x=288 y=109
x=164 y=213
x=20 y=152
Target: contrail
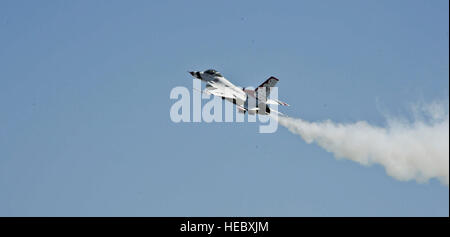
x=408 y=150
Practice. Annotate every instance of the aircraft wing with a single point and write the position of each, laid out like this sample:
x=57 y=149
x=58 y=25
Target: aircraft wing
x=221 y=92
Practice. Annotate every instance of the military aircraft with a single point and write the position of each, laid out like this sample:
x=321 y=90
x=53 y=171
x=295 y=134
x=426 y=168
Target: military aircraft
x=250 y=101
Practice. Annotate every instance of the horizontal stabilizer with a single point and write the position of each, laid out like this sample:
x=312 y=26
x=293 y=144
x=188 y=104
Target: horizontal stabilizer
x=275 y=102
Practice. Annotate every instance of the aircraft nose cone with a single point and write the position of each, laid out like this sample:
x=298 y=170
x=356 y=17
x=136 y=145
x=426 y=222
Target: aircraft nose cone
x=192 y=73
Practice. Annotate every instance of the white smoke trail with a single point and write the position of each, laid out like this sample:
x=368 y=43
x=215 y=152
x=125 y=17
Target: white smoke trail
x=408 y=150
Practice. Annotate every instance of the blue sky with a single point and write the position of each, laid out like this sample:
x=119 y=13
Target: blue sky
x=84 y=97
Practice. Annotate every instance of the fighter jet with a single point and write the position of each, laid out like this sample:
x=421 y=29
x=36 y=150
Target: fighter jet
x=250 y=101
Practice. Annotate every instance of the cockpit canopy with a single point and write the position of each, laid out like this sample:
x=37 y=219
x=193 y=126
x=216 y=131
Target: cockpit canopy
x=213 y=72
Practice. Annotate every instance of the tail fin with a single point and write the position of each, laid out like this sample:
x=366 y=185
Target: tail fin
x=266 y=87
x=271 y=82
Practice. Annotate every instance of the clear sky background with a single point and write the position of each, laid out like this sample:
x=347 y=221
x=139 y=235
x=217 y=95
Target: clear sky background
x=84 y=105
